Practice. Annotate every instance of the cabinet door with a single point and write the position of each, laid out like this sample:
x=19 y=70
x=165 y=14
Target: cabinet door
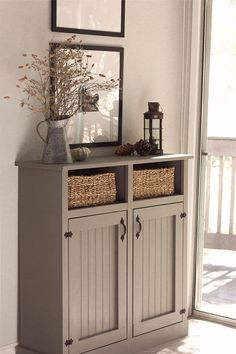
x=158 y=270
x=97 y=281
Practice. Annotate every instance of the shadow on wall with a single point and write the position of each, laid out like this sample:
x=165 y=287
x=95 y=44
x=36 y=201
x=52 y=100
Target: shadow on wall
x=31 y=146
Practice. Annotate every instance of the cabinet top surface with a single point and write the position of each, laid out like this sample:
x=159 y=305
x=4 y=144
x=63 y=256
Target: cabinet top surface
x=105 y=161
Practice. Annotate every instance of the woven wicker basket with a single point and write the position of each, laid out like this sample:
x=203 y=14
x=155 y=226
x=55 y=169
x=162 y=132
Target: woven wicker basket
x=91 y=190
x=153 y=182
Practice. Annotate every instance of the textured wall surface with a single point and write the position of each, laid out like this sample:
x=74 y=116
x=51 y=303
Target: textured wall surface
x=152 y=71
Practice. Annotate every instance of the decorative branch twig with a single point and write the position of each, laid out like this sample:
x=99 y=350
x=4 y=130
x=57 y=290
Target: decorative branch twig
x=53 y=84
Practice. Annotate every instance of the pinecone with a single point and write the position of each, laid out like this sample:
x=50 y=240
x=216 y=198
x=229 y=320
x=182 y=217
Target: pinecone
x=143 y=147
x=125 y=150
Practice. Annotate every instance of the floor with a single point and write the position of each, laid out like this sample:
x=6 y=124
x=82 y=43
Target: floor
x=204 y=338
x=219 y=283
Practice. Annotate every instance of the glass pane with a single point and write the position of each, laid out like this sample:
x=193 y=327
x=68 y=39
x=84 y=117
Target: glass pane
x=217 y=284
x=222 y=84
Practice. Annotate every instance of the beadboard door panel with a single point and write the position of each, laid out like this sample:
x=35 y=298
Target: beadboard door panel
x=97 y=280
x=90 y=280
x=158 y=273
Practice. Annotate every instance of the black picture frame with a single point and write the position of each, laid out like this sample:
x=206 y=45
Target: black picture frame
x=56 y=28
x=120 y=52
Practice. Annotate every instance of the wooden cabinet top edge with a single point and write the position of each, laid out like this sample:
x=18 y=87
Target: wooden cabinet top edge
x=104 y=161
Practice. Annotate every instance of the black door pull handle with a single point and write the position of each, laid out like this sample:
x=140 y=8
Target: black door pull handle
x=125 y=229
x=140 y=227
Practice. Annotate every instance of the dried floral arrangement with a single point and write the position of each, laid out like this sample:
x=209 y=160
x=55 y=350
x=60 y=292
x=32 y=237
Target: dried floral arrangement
x=57 y=84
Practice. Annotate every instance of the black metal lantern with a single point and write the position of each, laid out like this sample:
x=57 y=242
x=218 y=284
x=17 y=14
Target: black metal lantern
x=153 y=128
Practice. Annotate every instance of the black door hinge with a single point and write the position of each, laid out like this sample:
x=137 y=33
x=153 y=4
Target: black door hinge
x=68 y=234
x=182 y=312
x=183 y=215
x=68 y=342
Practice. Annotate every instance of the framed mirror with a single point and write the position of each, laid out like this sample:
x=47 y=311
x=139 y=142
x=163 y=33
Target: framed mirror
x=98 y=17
x=99 y=122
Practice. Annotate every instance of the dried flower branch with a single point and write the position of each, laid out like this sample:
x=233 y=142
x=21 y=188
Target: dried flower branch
x=56 y=84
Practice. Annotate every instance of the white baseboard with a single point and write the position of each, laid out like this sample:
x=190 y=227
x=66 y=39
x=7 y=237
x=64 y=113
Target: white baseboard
x=9 y=349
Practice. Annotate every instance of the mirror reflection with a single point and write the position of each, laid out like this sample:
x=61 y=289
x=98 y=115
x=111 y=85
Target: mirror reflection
x=99 y=121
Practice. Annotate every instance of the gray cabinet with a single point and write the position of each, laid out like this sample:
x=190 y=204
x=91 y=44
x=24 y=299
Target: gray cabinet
x=103 y=279
x=158 y=267
x=97 y=280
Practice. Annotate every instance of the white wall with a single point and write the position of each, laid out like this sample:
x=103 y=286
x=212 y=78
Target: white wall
x=153 y=70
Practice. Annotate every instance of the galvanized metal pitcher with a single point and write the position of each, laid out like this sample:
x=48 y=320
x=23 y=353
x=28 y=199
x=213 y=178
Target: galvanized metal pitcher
x=56 y=147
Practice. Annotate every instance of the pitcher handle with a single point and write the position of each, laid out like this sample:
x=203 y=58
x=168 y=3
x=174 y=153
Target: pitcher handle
x=37 y=129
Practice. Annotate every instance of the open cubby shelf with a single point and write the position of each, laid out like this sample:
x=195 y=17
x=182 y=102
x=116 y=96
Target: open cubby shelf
x=120 y=181
x=124 y=178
